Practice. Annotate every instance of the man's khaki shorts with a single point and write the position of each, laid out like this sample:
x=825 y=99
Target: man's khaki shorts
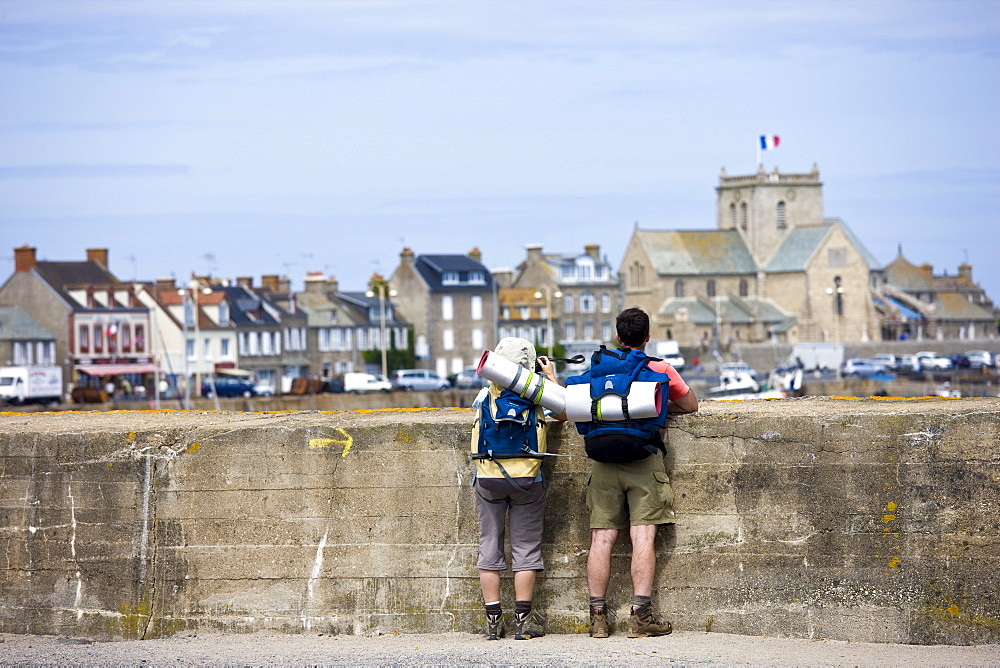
x=630 y=494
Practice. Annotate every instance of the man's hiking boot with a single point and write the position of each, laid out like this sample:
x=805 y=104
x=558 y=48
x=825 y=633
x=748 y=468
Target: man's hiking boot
x=494 y=627
x=599 y=623
x=641 y=624
x=526 y=626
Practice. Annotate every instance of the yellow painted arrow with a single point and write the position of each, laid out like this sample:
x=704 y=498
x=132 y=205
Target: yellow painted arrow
x=347 y=442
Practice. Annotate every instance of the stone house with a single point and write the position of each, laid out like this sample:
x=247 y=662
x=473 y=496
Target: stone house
x=918 y=304
x=450 y=302
x=578 y=294
x=101 y=328
x=341 y=325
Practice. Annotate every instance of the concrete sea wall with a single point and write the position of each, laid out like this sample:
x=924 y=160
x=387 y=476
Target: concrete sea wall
x=860 y=520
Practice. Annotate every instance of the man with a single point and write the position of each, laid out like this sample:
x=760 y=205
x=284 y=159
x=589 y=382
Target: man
x=631 y=494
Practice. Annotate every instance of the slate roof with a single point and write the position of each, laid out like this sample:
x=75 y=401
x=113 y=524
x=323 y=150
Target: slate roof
x=692 y=252
x=242 y=303
x=432 y=267
x=64 y=275
x=909 y=277
x=956 y=306
x=17 y=325
x=60 y=274
x=738 y=312
x=798 y=247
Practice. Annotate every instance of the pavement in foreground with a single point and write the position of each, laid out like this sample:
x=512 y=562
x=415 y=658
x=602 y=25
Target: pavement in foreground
x=464 y=649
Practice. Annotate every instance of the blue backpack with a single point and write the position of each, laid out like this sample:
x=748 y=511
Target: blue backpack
x=507 y=430
x=612 y=372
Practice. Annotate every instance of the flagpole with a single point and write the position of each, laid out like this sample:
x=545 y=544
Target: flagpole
x=760 y=159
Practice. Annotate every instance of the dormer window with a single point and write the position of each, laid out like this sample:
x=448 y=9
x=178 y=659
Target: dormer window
x=450 y=278
x=477 y=278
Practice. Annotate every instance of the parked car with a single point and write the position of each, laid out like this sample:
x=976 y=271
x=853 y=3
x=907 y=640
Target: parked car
x=931 y=360
x=365 y=382
x=960 y=361
x=979 y=359
x=228 y=386
x=418 y=380
x=888 y=360
x=467 y=379
x=861 y=367
x=908 y=362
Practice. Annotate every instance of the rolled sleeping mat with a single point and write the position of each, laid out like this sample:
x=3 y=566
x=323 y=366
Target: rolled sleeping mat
x=644 y=401
x=534 y=387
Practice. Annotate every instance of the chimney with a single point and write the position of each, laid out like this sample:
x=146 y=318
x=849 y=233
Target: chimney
x=594 y=251
x=284 y=285
x=406 y=257
x=504 y=277
x=315 y=282
x=165 y=284
x=534 y=253
x=476 y=255
x=332 y=287
x=245 y=282
x=98 y=255
x=270 y=282
x=965 y=271
x=24 y=258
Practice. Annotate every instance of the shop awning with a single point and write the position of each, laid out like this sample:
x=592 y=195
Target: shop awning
x=906 y=310
x=116 y=369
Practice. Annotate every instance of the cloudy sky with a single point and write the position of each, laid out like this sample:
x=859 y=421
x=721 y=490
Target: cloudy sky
x=253 y=137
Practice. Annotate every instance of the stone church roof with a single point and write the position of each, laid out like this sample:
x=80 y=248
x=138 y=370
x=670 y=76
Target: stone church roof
x=908 y=276
x=690 y=252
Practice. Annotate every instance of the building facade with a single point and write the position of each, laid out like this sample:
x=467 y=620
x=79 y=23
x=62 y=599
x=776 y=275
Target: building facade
x=450 y=302
x=575 y=296
x=342 y=325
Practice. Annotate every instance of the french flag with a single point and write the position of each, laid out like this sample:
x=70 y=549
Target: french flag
x=769 y=142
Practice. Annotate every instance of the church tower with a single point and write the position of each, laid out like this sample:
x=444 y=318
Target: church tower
x=764 y=207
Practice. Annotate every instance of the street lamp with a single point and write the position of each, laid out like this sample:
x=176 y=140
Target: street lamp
x=380 y=286
x=549 y=294
x=190 y=300
x=185 y=305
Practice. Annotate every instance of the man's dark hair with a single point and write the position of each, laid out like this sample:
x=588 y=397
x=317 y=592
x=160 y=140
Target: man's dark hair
x=632 y=325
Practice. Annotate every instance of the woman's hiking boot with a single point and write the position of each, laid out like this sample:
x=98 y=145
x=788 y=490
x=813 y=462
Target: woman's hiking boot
x=526 y=626
x=598 y=623
x=641 y=623
x=494 y=626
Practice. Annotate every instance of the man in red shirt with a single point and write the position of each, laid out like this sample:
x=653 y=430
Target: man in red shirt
x=635 y=495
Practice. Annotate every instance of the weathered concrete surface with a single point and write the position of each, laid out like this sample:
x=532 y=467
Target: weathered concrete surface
x=859 y=520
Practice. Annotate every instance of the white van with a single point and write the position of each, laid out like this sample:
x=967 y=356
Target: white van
x=366 y=382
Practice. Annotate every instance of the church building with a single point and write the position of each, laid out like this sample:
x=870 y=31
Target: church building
x=773 y=269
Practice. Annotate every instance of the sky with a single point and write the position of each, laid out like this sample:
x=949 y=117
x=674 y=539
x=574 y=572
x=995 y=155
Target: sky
x=243 y=138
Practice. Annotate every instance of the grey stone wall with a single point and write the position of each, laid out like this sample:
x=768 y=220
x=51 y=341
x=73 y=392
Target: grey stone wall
x=859 y=520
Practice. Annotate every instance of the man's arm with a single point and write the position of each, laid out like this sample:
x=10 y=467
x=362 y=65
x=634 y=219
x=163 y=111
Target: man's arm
x=685 y=404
